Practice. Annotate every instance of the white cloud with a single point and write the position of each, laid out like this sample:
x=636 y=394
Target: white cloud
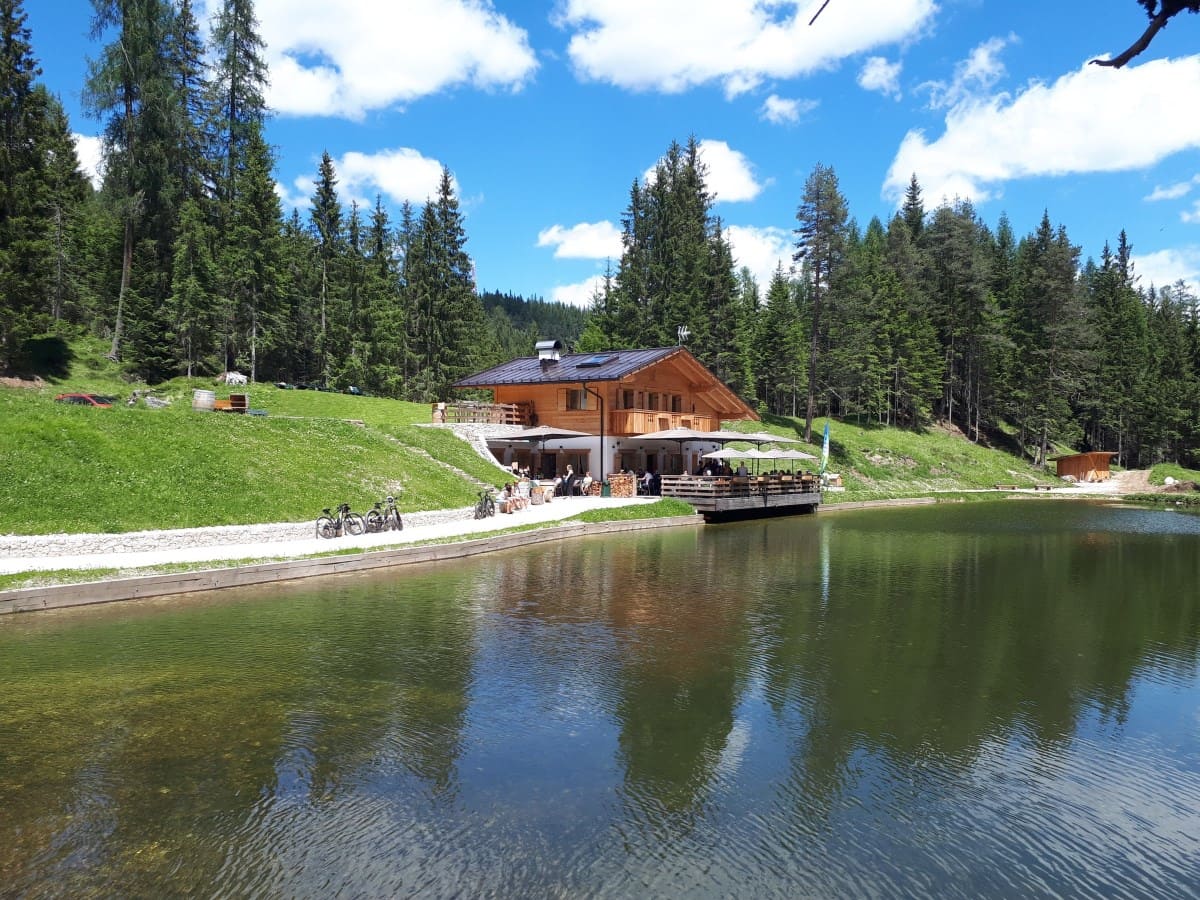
x=400 y=174
x=578 y=294
x=730 y=175
x=1171 y=192
x=880 y=75
x=672 y=45
x=90 y=150
x=781 y=110
x=760 y=250
x=587 y=240
x=974 y=75
x=1192 y=217
x=1095 y=119
x=360 y=55
x=1163 y=268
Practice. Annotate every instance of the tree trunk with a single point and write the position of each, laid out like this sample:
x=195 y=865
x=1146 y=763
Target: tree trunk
x=126 y=272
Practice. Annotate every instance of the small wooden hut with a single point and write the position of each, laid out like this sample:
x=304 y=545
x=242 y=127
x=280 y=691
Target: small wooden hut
x=1088 y=467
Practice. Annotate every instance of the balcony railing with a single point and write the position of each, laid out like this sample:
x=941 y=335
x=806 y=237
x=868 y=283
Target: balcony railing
x=643 y=421
x=475 y=413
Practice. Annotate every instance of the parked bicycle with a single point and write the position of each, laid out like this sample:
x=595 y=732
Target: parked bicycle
x=486 y=505
x=345 y=522
x=384 y=517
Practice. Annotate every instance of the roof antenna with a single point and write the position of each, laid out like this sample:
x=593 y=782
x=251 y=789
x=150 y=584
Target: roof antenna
x=819 y=11
x=684 y=333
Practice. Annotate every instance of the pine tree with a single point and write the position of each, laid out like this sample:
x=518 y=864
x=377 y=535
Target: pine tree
x=239 y=85
x=1054 y=337
x=781 y=339
x=325 y=216
x=820 y=244
x=252 y=260
x=40 y=191
x=130 y=84
x=192 y=289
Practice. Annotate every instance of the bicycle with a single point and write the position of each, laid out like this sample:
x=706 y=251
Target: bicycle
x=346 y=522
x=384 y=519
x=486 y=505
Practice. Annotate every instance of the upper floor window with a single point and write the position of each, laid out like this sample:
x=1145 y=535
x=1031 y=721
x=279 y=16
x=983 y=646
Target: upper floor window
x=627 y=400
x=676 y=403
x=577 y=398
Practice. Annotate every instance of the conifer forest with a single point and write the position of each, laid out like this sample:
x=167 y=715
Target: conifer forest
x=185 y=263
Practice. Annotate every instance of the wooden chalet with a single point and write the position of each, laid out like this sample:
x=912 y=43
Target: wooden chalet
x=613 y=397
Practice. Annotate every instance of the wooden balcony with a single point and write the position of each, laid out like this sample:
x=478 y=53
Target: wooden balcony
x=643 y=421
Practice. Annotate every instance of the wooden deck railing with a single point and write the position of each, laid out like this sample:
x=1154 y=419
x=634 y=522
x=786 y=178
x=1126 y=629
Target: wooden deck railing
x=475 y=413
x=716 y=486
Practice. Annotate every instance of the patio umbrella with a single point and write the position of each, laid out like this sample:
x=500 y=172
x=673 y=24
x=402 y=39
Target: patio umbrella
x=765 y=437
x=543 y=433
x=680 y=435
x=793 y=454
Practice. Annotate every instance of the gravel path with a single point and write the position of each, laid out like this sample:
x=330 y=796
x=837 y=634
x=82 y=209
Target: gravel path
x=282 y=540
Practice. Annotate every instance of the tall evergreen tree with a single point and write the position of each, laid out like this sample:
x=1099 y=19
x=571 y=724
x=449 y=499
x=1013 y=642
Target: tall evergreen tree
x=130 y=84
x=821 y=245
x=252 y=255
x=1054 y=337
x=40 y=190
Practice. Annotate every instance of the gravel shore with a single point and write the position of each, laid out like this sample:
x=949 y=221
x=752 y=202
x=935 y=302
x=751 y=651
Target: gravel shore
x=19 y=553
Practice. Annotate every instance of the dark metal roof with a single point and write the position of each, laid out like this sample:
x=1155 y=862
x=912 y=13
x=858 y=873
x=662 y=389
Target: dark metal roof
x=610 y=365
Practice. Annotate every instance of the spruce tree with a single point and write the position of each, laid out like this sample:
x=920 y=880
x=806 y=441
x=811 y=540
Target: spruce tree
x=820 y=245
x=130 y=86
x=41 y=191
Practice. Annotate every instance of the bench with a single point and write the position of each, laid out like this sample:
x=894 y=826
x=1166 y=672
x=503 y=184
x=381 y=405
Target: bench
x=1043 y=487
x=1005 y=487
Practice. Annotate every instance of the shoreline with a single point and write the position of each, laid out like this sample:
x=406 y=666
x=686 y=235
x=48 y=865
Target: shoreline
x=441 y=534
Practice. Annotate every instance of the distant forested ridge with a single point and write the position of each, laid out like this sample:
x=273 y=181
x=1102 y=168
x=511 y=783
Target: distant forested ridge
x=184 y=261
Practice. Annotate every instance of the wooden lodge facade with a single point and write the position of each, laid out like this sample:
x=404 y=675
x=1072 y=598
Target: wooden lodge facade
x=612 y=397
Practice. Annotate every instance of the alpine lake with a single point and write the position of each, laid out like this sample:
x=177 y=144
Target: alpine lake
x=995 y=699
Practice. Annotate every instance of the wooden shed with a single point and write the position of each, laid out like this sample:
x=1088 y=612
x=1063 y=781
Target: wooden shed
x=1088 y=467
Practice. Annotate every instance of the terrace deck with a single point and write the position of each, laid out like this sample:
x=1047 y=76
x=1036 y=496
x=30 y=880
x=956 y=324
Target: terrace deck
x=718 y=495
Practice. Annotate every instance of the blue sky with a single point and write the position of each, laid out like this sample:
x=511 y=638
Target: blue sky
x=545 y=113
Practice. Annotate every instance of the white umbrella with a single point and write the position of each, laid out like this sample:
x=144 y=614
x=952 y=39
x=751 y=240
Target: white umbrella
x=765 y=437
x=793 y=454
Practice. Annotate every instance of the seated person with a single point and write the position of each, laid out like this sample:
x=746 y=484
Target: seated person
x=504 y=502
x=742 y=471
x=586 y=484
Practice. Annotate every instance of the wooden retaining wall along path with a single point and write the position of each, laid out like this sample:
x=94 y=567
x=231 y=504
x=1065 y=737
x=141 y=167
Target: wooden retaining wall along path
x=68 y=595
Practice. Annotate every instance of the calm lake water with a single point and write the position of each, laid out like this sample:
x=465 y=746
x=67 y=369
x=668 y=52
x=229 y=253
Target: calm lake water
x=972 y=700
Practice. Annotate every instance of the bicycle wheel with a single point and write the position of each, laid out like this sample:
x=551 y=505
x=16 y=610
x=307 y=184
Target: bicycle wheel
x=326 y=528
x=393 y=521
x=355 y=523
x=480 y=509
x=375 y=521
x=489 y=508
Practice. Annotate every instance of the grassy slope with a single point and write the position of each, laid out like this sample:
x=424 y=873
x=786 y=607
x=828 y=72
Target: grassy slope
x=73 y=468
x=70 y=468
x=876 y=461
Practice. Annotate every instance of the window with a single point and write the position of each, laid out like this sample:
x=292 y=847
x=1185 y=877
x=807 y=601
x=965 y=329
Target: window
x=652 y=401
x=627 y=400
x=676 y=403
x=577 y=398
